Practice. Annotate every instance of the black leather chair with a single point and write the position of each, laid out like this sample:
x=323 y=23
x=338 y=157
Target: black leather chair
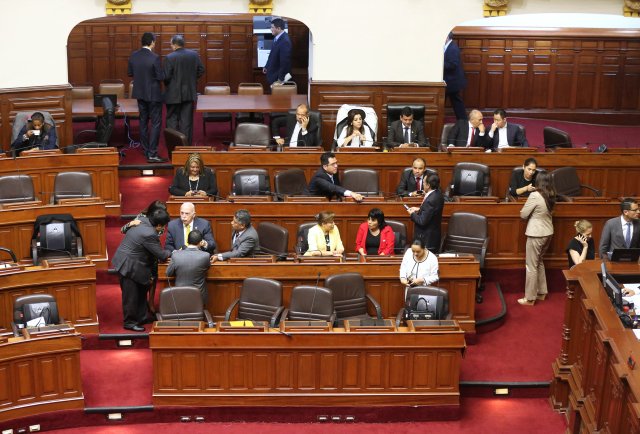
x=567 y=183
x=274 y=239
x=16 y=188
x=183 y=303
x=425 y=290
x=55 y=236
x=214 y=88
x=444 y=138
x=251 y=182
x=470 y=179
x=260 y=300
x=350 y=296
x=71 y=185
x=173 y=138
x=310 y=303
x=363 y=181
x=35 y=305
x=250 y=135
x=395 y=110
x=105 y=125
x=302 y=243
x=400 y=233
x=290 y=182
x=555 y=138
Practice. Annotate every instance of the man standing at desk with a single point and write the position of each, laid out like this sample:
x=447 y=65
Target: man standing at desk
x=325 y=181
x=147 y=73
x=428 y=217
x=182 y=68
x=622 y=232
x=454 y=78
x=191 y=264
x=279 y=62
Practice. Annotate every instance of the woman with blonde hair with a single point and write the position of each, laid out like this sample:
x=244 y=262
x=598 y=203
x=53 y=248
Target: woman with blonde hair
x=324 y=238
x=194 y=179
x=581 y=247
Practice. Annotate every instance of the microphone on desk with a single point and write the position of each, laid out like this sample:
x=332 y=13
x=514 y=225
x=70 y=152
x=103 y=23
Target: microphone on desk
x=315 y=291
x=224 y=199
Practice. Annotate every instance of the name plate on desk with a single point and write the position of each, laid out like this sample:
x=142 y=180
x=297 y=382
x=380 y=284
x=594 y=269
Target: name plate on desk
x=243 y=326
x=191 y=149
x=369 y=325
x=79 y=200
x=65 y=262
x=483 y=199
x=383 y=259
x=517 y=150
x=101 y=150
x=261 y=259
x=367 y=199
x=49 y=330
x=320 y=259
x=22 y=205
x=10 y=267
x=190 y=198
x=250 y=198
x=305 y=199
x=178 y=326
x=302 y=149
x=433 y=325
x=305 y=326
x=359 y=149
x=462 y=149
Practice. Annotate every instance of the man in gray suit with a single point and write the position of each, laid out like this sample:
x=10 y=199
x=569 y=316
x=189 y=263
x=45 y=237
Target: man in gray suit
x=244 y=241
x=621 y=232
x=190 y=265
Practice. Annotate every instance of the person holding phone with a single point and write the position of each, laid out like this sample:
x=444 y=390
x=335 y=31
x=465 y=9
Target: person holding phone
x=419 y=266
x=36 y=134
x=581 y=247
x=412 y=182
x=301 y=129
x=522 y=183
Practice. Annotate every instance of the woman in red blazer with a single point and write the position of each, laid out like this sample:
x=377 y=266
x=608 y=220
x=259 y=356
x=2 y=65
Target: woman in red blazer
x=375 y=237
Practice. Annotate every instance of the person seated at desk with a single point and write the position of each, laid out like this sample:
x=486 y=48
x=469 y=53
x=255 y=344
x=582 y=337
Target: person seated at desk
x=419 y=266
x=325 y=181
x=36 y=134
x=301 y=129
x=406 y=131
x=469 y=133
x=194 y=179
x=411 y=181
x=581 y=247
x=503 y=134
x=522 y=184
x=244 y=240
x=179 y=229
x=355 y=134
x=375 y=237
x=191 y=264
x=324 y=238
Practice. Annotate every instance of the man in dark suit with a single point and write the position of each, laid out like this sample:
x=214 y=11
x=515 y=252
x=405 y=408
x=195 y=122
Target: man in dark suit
x=469 y=132
x=279 y=62
x=325 y=181
x=182 y=68
x=244 y=240
x=406 y=131
x=190 y=265
x=503 y=134
x=179 y=229
x=144 y=67
x=134 y=261
x=622 y=232
x=412 y=182
x=454 y=78
x=301 y=129
x=428 y=217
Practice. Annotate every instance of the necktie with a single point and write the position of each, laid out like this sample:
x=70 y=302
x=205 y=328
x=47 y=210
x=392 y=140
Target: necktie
x=419 y=183
x=473 y=137
x=406 y=135
x=235 y=237
x=187 y=230
x=627 y=237
x=331 y=178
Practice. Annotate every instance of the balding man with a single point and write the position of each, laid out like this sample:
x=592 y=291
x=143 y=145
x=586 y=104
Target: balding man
x=469 y=133
x=301 y=129
x=178 y=230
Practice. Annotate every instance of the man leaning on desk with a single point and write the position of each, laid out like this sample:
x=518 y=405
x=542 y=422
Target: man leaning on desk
x=325 y=182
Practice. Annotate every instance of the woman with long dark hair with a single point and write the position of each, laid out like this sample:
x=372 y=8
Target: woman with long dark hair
x=375 y=236
x=356 y=133
x=537 y=211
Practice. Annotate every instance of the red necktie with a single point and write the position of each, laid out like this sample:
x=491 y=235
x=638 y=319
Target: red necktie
x=419 y=183
x=473 y=137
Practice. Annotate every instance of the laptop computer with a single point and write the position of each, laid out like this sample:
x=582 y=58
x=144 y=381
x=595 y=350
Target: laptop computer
x=625 y=255
x=97 y=99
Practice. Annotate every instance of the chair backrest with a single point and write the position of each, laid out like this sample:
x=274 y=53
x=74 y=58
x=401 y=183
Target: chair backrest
x=363 y=181
x=429 y=290
x=112 y=87
x=444 y=137
x=566 y=181
x=309 y=303
x=35 y=305
x=69 y=185
x=466 y=233
x=349 y=294
x=107 y=122
x=250 y=89
x=290 y=182
x=252 y=134
x=400 y=233
x=81 y=92
x=522 y=130
x=274 y=239
x=217 y=89
x=181 y=303
x=173 y=138
x=555 y=138
x=302 y=241
x=471 y=179
x=371 y=119
x=16 y=188
x=259 y=299
x=286 y=88
x=394 y=111
x=23 y=117
x=250 y=182
x=316 y=118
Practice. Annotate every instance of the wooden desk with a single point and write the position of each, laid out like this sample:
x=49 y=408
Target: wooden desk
x=102 y=166
x=506 y=229
x=460 y=277
x=592 y=381
x=249 y=103
x=84 y=107
x=73 y=286
x=40 y=375
x=16 y=228
x=336 y=368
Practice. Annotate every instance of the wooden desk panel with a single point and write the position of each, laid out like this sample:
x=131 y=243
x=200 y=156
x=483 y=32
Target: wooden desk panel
x=506 y=228
x=16 y=228
x=224 y=282
x=602 y=171
x=40 y=375
x=103 y=168
x=74 y=288
x=84 y=107
x=323 y=368
x=249 y=103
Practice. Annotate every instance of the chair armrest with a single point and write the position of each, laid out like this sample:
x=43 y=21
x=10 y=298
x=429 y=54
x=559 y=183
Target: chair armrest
x=332 y=318
x=275 y=318
x=34 y=251
x=564 y=198
x=376 y=305
x=483 y=252
x=595 y=191
x=209 y=319
x=399 y=317
x=79 y=245
x=233 y=304
x=285 y=314
x=159 y=316
x=509 y=197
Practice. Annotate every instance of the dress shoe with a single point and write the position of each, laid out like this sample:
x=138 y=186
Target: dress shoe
x=525 y=302
x=156 y=159
x=135 y=328
x=541 y=297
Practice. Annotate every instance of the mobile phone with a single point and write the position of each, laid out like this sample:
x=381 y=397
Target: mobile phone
x=405 y=206
x=36 y=132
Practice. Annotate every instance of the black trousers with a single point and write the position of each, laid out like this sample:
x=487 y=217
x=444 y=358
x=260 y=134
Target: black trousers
x=150 y=111
x=457 y=104
x=180 y=117
x=134 y=301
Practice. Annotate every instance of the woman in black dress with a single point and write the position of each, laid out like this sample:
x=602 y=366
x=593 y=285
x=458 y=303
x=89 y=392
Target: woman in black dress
x=194 y=179
x=522 y=184
x=581 y=247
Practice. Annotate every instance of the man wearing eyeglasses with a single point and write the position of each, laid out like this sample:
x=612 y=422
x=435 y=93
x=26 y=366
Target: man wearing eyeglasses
x=325 y=181
x=621 y=232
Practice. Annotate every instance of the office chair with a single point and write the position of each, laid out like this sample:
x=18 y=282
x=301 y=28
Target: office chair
x=274 y=239
x=216 y=88
x=555 y=138
x=16 y=188
x=567 y=183
x=69 y=185
x=290 y=182
x=363 y=181
x=183 y=303
x=310 y=303
x=412 y=298
x=55 y=236
x=173 y=138
x=260 y=300
x=444 y=138
x=302 y=237
x=400 y=233
x=350 y=296
x=29 y=307
x=250 y=182
x=251 y=135
x=80 y=93
x=470 y=179
x=249 y=89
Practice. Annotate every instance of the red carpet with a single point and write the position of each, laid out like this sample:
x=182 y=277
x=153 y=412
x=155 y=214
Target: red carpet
x=141 y=191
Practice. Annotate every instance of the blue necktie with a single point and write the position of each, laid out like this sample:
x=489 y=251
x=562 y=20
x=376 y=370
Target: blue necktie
x=627 y=237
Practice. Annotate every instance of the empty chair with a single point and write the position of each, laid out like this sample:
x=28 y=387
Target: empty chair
x=70 y=185
x=310 y=303
x=55 y=236
x=290 y=182
x=16 y=188
x=260 y=300
x=444 y=138
x=302 y=242
x=250 y=182
x=249 y=89
x=252 y=135
x=470 y=179
x=183 y=303
x=173 y=138
x=555 y=138
x=425 y=302
x=567 y=183
x=104 y=124
x=467 y=233
x=350 y=296
x=80 y=93
x=112 y=87
x=279 y=119
x=274 y=239
x=400 y=232
x=363 y=181
x=214 y=88
x=30 y=307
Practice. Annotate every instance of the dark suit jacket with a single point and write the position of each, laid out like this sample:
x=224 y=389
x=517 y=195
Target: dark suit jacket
x=453 y=71
x=144 y=67
x=136 y=255
x=245 y=245
x=279 y=61
x=182 y=68
x=514 y=137
x=321 y=185
x=407 y=182
x=396 y=134
x=190 y=267
x=428 y=220
x=613 y=238
x=207 y=182
x=460 y=133
x=308 y=139
x=175 y=234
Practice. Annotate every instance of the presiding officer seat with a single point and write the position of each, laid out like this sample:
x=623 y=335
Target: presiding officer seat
x=310 y=303
x=16 y=188
x=350 y=296
x=260 y=300
x=183 y=303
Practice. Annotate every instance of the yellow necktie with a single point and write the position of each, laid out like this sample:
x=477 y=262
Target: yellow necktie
x=187 y=230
